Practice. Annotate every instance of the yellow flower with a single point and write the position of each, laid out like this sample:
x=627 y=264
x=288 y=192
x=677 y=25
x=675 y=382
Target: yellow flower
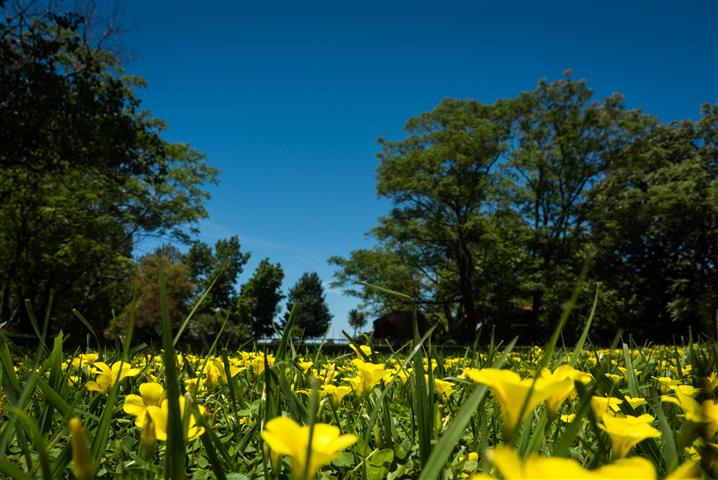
x=159 y=417
x=711 y=383
x=554 y=402
x=368 y=375
x=286 y=437
x=568 y=418
x=689 y=390
x=136 y=405
x=365 y=349
x=637 y=373
x=305 y=366
x=511 y=392
x=688 y=470
x=627 y=431
x=536 y=467
x=108 y=376
x=194 y=385
x=148 y=434
x=401 y=374
x=215 y=371
x=616 y=379
x=81 y=458
x=336 y=393
x=443 y=388
x=664 y=383
x=605 y=406
x=85 y=360
x=635 y=402
x=703 y=414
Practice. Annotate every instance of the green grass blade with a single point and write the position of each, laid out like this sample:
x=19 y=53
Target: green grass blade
x=191 y=314
x=446 y=444
x=670 y=450
x=11 y=471
x=584 y=334
x=630 y=373
x=175 y=452
x=393 y=293
x=38 y=440
x=102 y=433
x=87 y=324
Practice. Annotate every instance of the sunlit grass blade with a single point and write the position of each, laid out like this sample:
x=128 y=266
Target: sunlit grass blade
x=285 y=342
x=357 y=347
x=630 y=373
x=197 y=304
x=386 y=290
x=584 y=334
x=175 y=452
x=424 y=419
x=670 y=451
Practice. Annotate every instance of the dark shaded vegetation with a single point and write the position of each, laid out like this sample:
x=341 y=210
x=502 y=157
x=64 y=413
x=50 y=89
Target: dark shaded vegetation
x=497 y=208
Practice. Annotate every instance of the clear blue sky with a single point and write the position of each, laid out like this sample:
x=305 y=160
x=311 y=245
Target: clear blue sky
x=287 y=99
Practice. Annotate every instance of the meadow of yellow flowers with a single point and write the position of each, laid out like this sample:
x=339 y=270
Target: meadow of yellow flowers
x=628 y=412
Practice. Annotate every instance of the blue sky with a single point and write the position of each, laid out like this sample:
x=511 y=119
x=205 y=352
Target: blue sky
x=287 y=99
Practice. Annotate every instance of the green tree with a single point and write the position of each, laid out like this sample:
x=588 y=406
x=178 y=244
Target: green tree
x=655 y=226
x=357 y=319
x=220 y=268
x=379 y=266
x=312 y=315
x=564 y=141
x=259 y=299
x=84 y=173
x=442 y=183
x=145 y=306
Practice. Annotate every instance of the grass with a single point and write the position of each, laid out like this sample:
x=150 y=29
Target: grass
x=405 y=427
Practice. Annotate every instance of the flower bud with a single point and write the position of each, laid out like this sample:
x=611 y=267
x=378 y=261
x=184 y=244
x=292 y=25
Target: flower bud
x=84 y=466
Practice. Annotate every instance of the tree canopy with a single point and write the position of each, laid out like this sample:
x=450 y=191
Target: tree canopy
x=497 y=207
x=84 y=173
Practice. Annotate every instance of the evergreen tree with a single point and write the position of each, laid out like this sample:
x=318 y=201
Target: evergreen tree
x=259 y=299
x=312 y=315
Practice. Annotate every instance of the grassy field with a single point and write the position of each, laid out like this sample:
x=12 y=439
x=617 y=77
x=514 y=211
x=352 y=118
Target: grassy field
x=493 y=412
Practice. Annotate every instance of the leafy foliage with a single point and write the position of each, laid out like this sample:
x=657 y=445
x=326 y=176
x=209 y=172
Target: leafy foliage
x=496 y=209
x=84 y=172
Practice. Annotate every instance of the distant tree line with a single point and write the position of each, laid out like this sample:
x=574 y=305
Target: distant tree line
x=497 y=207
x=85 y=175
x=201 y=283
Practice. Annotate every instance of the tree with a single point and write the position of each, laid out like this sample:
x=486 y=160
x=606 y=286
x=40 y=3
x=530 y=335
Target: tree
x=259 y=299
x=220 y=269
x=441 y=181
x=379 y=266
x=145 y=287
x=357 y=319
x=311 y=314
x=217 y=270
x=84 y=173
x=564 y=142
x=655 y=227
